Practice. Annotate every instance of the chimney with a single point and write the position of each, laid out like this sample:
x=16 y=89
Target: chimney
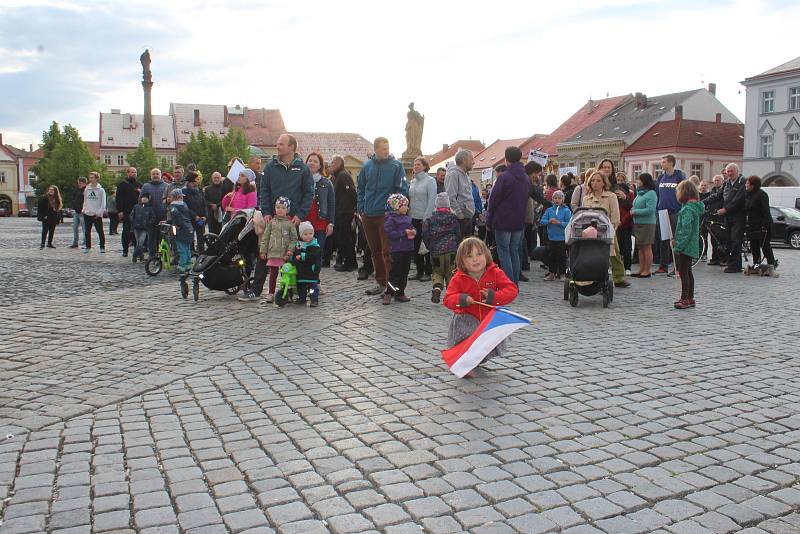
x=641 y=101
x=31 y=145
x=445 y=146
x=712 y=88
x=678 y=112
x=114 y=111
x=1 y=139
x=226 y=121
x=197 y=117
x=719 y=117
x=591 y=105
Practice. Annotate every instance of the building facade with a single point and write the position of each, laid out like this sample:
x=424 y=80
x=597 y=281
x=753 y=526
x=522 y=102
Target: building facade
x=772 y=125
x=121 y=133
x=17 y=177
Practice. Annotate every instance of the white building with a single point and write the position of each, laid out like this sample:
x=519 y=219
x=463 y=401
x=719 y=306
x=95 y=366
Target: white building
x=121 y=133
x=772 y=125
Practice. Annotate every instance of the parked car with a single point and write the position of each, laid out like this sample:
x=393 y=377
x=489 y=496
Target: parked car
x=34 y=211
x=5 y=212
x=786 y=226
x=23 y=212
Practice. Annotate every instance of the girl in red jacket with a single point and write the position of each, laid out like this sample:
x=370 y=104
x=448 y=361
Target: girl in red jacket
x=477 y=279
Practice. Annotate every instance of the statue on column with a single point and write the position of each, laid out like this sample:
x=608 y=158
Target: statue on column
x=414 y=126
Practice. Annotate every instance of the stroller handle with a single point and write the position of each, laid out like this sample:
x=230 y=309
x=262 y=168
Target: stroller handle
x=585 y=208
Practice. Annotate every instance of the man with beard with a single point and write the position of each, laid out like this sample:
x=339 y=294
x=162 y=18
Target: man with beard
x=127 y=197
x=346 y=200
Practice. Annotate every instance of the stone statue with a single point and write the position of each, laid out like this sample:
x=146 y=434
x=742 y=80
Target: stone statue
x=145 y=59
x=147 y=84
x=414 y=126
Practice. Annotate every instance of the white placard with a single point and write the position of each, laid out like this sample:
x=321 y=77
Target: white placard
x=236 y=167
x=486 y=175
x=566 y=170
x=538 y=157
x=664 y=225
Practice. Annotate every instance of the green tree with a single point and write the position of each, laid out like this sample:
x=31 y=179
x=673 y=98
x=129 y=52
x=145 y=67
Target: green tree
x=211 y=153
x=66 y=157
x=144 y=159
x=236 y=145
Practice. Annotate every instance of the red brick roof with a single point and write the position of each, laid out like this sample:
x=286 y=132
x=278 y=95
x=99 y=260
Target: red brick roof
x=329 y=144
x=20 y=153
x=588 y=114
x=495 y=153
x=261 y=126
x=450 y=150
x=94 y=148
x=683 y=134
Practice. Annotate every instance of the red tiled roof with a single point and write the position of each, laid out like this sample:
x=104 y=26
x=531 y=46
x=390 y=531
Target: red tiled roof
x=450 y=151
x=261 y=126
x=20 y=153
x=685 y=134
x=534 y=142
x=94 y=148
x=588 y=114
x=494 y=154
x=329 y=144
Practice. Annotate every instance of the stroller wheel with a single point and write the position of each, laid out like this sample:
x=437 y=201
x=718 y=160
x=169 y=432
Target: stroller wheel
x=573 y=296
x=566 y=289
x=606 y=298
x=196 y=289
x=610 y=286
x=184 y=288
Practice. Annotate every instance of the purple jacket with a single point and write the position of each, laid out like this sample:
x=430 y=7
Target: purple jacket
x=395 y=226
x=509 y=199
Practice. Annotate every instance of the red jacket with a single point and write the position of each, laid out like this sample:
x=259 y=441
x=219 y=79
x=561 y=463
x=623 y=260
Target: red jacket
x=502 y=291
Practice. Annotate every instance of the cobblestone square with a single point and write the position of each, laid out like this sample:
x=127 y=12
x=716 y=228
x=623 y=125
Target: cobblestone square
x=125 y=408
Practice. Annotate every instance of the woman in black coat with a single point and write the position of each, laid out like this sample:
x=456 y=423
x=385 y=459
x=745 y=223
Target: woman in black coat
x=49 y=209
x=759 y=221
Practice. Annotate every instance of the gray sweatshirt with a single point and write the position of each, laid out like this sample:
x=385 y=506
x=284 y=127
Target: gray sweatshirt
x=458 y=186
x=422 y=196
x=94 y=200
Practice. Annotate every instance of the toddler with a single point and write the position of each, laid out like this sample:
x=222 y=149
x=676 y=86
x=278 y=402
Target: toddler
x=305 y=257
x=276 y=243
x=686 y=245
x=556 y=218
x=143 y=218
x=184 y=230
x=441 y=234
x=400 y=231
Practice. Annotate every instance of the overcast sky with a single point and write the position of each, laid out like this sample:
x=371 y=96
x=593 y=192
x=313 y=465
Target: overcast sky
x=476 y=69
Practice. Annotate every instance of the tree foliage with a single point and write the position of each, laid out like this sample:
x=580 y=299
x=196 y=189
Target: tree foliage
x=144 y=159
x=66 y=157
x=211 y=153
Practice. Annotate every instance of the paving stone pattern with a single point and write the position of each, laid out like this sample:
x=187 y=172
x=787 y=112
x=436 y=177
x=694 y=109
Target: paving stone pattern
x=127 y=409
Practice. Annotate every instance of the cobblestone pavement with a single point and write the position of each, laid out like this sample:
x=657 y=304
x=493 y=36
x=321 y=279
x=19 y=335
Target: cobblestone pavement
x=125 y=408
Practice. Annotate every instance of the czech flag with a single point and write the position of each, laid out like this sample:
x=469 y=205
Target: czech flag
x=498 y=324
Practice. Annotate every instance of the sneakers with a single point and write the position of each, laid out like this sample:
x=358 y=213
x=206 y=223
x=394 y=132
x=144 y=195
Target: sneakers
x=102 y=250
x=363 y=274
x=550 y=277
x=86 y=250
x=50 y=245
x=402 y=298
x=247 y=296
x=41 y=247
x=387 y=299
x=691 y=303
x=436 y=294
x=627 y=272
x=124 y=254
x=269 y=299
x=425 y=278
x=314 y=303
x=661 y=270
x=73 y=246
x=377 y=290
x=682 y=305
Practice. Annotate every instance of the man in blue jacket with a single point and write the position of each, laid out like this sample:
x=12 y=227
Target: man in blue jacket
x=381 y=176
x=667 y=200
x=286 y=176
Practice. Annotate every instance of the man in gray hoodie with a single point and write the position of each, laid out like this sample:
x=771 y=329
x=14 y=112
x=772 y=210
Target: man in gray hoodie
x=458 y=186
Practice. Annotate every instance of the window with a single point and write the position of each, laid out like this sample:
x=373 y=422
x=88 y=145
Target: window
x=794 y=98
x=768 y=101
x=593 y=164
x=697 y=170
x=2 y=177
x=31 y=177
x=766 y=146
x=583 y=166
x=107 y=159
x=793 y=144
x=120 y=160
x=170 y=161
x=637 y=170
x=657 y=170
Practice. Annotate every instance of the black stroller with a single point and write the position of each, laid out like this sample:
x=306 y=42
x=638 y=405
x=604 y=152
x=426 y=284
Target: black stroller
x=589 y=257
x=228 y=260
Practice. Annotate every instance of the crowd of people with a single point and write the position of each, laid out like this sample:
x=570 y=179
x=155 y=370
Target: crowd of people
x=315 y=213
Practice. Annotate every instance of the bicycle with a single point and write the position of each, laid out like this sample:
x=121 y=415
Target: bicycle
x=165 y=255
x=719 y=231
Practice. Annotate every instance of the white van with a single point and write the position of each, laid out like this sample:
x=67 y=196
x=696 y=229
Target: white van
x=783 y=197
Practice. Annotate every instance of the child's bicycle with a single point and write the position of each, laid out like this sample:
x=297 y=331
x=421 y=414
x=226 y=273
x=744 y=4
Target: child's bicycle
x=287 y=283
x=166 y=253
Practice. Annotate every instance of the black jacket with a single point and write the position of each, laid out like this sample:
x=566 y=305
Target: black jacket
x=143 y=217
x=345 y=193
x=45 y=213
x=537 y=195
x=731 y=197
x=195 y=201
x=127 y=196
x=77 y=200
x=308 y=262
x=757 y=210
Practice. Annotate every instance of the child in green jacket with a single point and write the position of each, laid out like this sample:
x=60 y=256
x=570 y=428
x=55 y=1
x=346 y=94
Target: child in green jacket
x=686 y=244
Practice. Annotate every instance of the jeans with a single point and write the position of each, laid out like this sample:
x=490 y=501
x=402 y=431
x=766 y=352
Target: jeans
x=321 y=238
x=556 y=257
x=184 y=255
x=625 y=246
x=153 y=239
x=127 y=233
x=48 y=229
x=524 y=260
x=508 y=252
x=141 y=239
x=77 y=226
x=307 y=288
x=398 y=274
x=199 y=232
x=113 y=223
x=666 y=249
x=97 y=222
x=735 y=238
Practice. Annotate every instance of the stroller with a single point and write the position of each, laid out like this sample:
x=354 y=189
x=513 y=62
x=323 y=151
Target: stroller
x=228 y=259
x=589 y=257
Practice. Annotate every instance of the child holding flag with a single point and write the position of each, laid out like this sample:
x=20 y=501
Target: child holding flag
x=477 y=280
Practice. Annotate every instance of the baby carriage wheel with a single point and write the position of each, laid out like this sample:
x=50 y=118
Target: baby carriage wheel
x=196 y=289
x=184 y=288
x=610 y=286
x=573 y=296
x=566 y=289
x=153 y=266
x=606 y=299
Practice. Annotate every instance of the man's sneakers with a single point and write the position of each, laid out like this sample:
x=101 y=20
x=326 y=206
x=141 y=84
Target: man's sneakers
x=377 y=290
x=247 y=296
x=436 y=294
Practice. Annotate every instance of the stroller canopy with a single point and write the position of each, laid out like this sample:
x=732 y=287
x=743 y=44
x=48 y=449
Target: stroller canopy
x=586 y=217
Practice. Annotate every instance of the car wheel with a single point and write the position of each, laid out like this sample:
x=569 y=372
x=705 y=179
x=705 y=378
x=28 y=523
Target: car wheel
x=794 y=239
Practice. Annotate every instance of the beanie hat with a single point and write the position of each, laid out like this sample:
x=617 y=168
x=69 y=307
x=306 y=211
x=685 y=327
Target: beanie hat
x=283 y=201
x=177 y=193
x=396 y=201
x=305 y=226
x=443 y=200
x=251 y=176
